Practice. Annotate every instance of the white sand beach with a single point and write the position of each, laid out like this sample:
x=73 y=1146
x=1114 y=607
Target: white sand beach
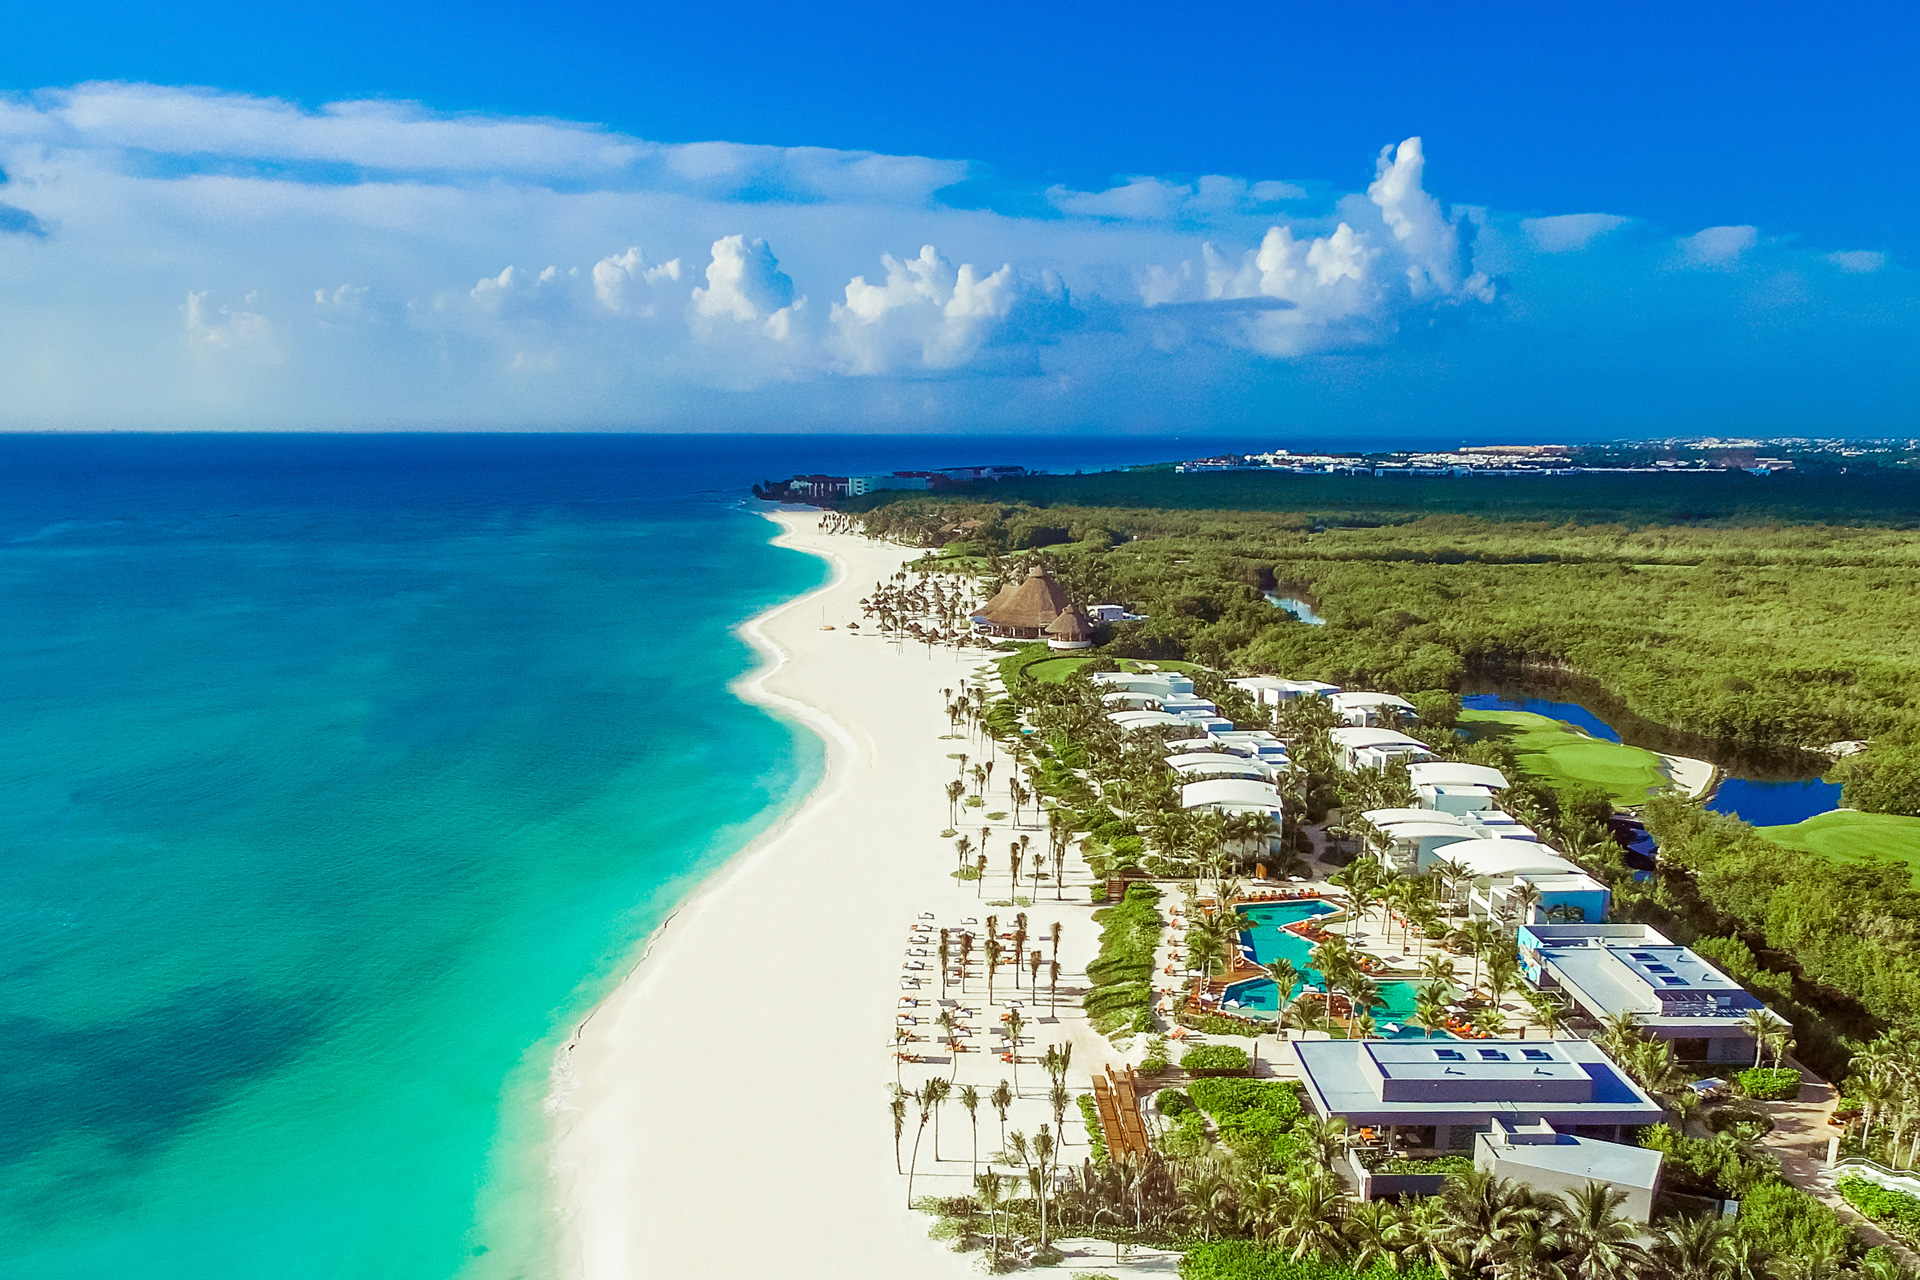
x=728 y=1116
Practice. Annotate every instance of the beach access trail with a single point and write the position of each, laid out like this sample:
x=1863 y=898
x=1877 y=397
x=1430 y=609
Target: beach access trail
x=728 y=1116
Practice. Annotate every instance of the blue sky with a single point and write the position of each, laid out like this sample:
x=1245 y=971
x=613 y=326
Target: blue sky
x=1586 y=220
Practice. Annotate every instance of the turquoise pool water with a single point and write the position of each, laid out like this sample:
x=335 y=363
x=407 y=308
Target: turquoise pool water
x=1269 y=941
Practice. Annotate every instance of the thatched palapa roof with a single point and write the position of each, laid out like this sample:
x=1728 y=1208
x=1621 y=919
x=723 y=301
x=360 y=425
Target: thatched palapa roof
x=1035 y=603
x=1071 y=625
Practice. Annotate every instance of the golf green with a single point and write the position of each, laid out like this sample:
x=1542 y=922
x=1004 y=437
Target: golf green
x=1849 y=834
x=1558 y=753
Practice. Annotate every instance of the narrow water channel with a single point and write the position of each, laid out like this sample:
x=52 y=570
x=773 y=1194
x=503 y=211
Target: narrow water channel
x=1764 y=791
x=1298 y=606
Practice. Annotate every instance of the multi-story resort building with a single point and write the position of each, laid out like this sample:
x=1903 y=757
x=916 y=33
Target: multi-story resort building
x=1435 y=1096
x=1610 y=970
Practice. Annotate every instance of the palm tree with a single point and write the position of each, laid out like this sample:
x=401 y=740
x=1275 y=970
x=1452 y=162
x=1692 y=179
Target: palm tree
x=1058 y=1098
x=1316 y=1218
x=1438 y=968
x=1599 y=1239
x=946 y=959
x=1053 y=989
x=1323 y=1140
x=1429 y=1014
x=1692 y=1248
x=1619 y=1032
x=979 y=874
x=955 y=790
x=1525 y=896
x=897 y=1108
x=1033 y=970
x=1303 y=1013
x=925 y=1098
x=1548 y=1012
x=989 y=1192
x=1285 y=979
x=1001 y=1099
x=1376 y=1233
x=1015 y=1025
x=1503 y=971
x=966 y=954
x=970 y=1099
x=994 y=951
x=1013 y=860
x=1762 y=1028
x=940 y=1090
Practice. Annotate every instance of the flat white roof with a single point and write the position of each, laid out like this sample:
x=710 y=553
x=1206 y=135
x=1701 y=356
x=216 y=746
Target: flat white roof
x=1356 y=737
x=1217 y=762
x=1357 y=701
x=1498 y=858
x=1425 y=830
x=1453 y=773
x=1380 y=817
x=1229 y=791
x=1144 y=719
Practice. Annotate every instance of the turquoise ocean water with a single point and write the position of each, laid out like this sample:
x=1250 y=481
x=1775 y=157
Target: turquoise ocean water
x=339 y=776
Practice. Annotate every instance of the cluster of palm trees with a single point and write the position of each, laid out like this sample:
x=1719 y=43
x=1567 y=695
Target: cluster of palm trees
x=1884 y=1080
x=1478 y=1226
x=928 y=609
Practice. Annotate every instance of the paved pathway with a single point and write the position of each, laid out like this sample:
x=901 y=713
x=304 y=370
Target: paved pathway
x=1800 y=1137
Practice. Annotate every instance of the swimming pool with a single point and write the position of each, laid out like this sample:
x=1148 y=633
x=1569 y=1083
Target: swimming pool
x=1269 y=941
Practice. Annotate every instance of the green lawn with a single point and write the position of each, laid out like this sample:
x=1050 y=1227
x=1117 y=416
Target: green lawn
x=1844 y=833
x=1556 y=752
x=1054 y=670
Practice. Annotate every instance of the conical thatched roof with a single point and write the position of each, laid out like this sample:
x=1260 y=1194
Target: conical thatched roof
x=1034 y=604
x=1071 y=625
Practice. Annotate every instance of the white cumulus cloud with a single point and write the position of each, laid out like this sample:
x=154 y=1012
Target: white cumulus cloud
x=745 y=285
x=617 y=277
x=1350 y=285
x=923 y=314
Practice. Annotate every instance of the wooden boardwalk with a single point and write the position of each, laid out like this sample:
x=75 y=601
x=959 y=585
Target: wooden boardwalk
x=1117 y=1099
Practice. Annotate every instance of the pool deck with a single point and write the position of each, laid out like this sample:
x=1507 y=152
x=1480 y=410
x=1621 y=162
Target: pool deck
x=1397 y=963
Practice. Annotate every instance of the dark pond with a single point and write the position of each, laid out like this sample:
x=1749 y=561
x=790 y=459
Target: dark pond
x=1765 y=789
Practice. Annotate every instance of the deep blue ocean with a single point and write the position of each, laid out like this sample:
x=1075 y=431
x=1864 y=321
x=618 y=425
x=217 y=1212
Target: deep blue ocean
x=340 y=776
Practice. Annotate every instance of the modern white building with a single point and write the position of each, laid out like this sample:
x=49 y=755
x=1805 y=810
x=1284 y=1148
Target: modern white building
x=1272 y=691
x=1452 y=787
x=1231 y=795
x=1362 y=748
x=1540 y=1156
x=1218 y=764
x=1438 y=1095
x=1499 y=872
x=1257 y=743
x=1611 y=969
x=1159 y=684
x=1372 y=710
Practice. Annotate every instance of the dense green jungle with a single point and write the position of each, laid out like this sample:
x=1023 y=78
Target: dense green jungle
x=1757 y=628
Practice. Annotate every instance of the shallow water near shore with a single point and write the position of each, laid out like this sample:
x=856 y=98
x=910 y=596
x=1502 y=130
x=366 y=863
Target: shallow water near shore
x=341 y=779
x=343 y=775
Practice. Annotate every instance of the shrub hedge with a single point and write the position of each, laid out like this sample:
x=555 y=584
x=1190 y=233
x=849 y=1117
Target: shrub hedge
x=1898 y=1211
x=1216 y=1060
x=1245 y=1260
x=1122 y=994
x=1768 y=1084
